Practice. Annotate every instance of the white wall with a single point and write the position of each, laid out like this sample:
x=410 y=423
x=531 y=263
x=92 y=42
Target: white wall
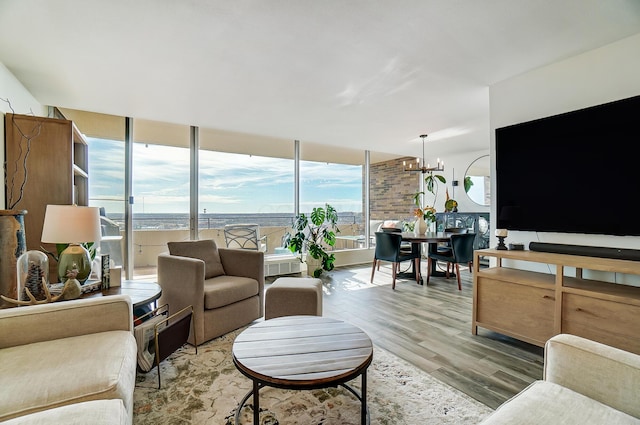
x=595 y=77
x=455 y=169
x=22 y=102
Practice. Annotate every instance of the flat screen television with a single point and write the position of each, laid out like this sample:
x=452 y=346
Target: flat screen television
x=577 y=172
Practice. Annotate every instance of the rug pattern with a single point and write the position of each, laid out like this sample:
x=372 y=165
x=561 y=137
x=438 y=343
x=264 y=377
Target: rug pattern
x=206 y=388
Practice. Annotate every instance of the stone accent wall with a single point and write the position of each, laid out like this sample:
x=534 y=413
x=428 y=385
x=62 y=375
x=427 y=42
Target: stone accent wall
x=392 y=190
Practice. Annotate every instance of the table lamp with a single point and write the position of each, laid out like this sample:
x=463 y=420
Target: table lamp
x=73 y=225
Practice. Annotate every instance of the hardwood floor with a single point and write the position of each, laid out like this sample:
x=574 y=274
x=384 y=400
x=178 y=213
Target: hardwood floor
x=430 y=327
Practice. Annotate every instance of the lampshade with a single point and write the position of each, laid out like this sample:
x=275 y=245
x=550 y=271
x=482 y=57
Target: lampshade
x=71 y=224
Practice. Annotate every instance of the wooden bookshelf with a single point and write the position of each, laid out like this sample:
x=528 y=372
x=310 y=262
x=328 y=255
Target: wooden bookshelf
x=57 y=170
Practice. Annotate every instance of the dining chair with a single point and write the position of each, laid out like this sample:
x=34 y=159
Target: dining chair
x=445 y=247
x=461 y=252
x=388 y=248
x=245 y=236
x=405 y=247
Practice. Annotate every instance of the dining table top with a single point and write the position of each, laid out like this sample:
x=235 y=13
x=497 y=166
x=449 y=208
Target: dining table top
x=431 y=237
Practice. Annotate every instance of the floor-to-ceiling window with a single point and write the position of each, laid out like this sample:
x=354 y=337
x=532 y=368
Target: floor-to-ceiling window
x=334 y=176
x=240 y=178
x=245 y=179
x=161 y=182
x=105 y=136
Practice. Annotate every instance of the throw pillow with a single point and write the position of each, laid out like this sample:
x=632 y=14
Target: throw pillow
x=205 y=250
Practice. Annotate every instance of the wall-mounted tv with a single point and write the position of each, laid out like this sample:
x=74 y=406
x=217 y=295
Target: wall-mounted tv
x=577 y=172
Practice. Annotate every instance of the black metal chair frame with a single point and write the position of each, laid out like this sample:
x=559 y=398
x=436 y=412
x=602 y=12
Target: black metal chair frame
x=388 y=248
x=461 y=252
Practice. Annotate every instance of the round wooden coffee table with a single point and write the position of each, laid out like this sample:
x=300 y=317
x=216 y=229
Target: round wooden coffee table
x=302 y=353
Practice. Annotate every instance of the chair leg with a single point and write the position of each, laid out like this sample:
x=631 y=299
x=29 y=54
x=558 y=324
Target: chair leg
x=416 y=266
x=378 y=265
x=429 y=260
x=394 y=268
x=458 y=276
x=373 y=269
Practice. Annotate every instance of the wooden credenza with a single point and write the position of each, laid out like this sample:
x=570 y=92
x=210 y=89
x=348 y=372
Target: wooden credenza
x=533 y=306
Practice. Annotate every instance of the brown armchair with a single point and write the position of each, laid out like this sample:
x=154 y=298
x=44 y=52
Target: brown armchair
x=224 y=286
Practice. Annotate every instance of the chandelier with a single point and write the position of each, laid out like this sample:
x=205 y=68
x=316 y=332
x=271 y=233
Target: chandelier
x=423 y=167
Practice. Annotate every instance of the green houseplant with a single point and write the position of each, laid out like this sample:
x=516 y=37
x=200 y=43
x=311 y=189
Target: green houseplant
x=311 y=236
x=424 y=213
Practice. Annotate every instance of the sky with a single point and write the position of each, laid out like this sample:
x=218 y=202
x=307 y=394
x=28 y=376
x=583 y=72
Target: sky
x=229 y=183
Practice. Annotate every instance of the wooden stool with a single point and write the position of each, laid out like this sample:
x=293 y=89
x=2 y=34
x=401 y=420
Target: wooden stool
x=292 y=296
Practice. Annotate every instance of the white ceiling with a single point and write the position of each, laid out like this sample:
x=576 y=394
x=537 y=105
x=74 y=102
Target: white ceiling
x=366 y=74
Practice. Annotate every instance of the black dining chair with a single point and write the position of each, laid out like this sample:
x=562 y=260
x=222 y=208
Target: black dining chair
x=388 y=249
x=445 y=247
x=461 y=252
x=405 y=247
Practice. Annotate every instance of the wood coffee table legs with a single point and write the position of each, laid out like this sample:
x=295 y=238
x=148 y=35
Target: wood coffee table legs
x=255 y=392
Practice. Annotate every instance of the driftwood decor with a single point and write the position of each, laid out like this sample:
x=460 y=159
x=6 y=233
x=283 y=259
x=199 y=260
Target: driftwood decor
x=33 y=300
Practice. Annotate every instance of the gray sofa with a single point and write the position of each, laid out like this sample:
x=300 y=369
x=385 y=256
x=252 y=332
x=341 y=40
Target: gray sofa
x=224 y=286
x=68 y=362
x=584 y=382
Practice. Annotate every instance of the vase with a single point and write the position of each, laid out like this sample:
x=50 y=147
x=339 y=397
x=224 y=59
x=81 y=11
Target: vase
x=420 y=226
x=33 y=274
x=12 y=245
x=313 y=265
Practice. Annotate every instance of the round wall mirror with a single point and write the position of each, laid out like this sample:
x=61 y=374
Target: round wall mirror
x=477 y=181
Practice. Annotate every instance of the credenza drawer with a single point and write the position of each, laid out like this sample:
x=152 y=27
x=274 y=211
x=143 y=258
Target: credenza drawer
x=520 y=310
x=609 y=322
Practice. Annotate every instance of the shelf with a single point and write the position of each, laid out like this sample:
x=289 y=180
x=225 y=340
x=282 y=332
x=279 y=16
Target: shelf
x=566 y=260
x=79 y=172
x=519 y=277
x=603 y=290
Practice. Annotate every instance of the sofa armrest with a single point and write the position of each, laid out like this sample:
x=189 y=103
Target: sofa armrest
x=246 y=263
x=242 y=262
x=62 y=319
x=603 y=373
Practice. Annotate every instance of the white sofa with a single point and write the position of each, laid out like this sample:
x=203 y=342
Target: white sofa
x=584 y=382
x=68 y=362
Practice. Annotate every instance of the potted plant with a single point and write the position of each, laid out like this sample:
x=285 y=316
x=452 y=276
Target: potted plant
x=311 y=236
x=426 y=214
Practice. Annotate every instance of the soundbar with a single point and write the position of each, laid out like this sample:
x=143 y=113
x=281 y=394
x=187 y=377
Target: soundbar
x=587 y=251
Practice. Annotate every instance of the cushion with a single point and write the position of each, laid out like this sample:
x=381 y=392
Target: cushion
x=544 y=402
x=205 y=250
x=224 y=290
x=48 y=374
x=96 y=412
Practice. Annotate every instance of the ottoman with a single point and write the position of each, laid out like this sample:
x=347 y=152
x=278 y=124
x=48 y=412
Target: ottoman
x=292 y=296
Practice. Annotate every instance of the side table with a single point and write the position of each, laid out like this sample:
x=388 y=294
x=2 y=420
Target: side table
x=141 y=292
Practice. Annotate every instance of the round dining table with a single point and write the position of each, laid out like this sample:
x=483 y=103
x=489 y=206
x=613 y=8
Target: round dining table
x=432 y=239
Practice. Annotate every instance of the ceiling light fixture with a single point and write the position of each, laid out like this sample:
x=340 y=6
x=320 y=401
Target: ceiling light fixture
x=423 y=167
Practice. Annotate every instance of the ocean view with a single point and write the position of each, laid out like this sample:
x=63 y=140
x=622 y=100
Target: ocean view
x=212 y=221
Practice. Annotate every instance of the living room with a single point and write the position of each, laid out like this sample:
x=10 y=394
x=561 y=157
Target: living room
x=604 y=73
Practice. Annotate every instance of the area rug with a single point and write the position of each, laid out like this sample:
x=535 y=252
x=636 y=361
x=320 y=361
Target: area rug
x=206 y=389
